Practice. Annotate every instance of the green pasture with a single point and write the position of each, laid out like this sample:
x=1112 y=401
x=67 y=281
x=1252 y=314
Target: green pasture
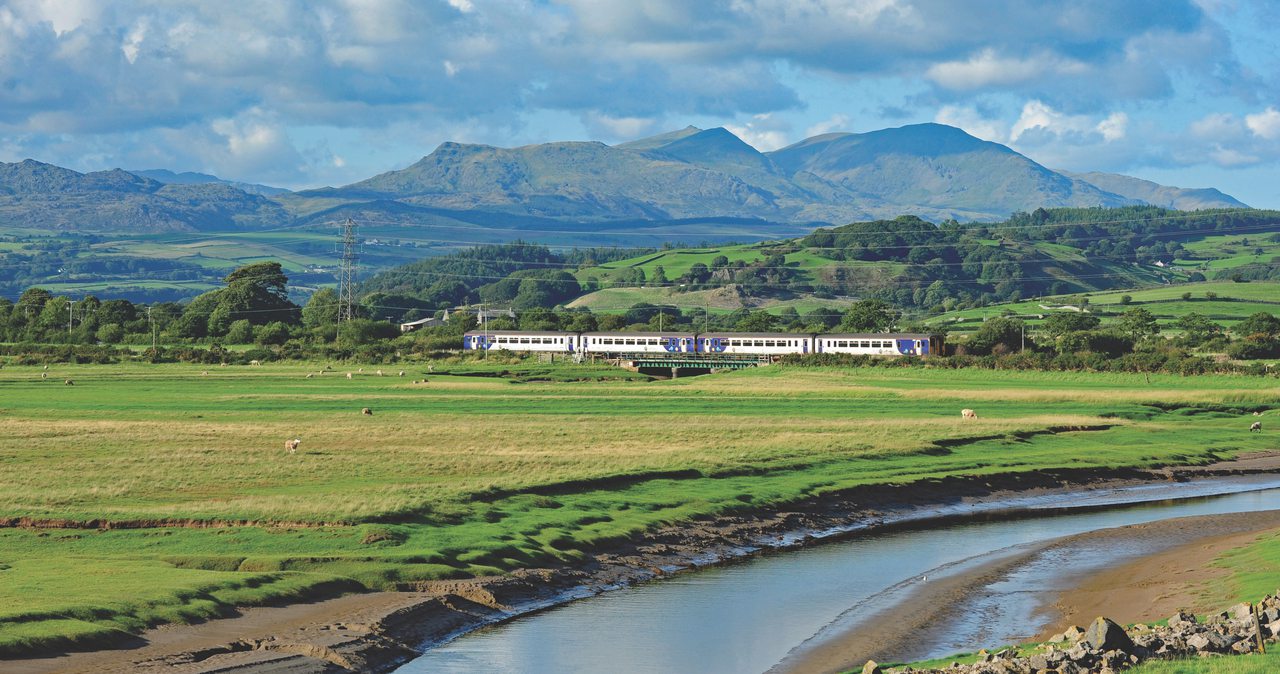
x=717 y=301
x=1216 y=253
x=1230 y=303
x=678 y=261
x=494 y=465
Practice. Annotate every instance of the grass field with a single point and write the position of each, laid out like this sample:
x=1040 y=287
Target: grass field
x=1233 y=302
x=472 y=475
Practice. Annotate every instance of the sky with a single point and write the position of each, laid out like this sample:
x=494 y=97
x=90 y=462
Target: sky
x=327 y=92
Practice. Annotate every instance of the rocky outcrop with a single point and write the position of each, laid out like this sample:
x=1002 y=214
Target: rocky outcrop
x=1106 y=647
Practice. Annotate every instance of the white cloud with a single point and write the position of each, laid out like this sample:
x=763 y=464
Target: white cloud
x=987 y=69
x=1114 y=126
x=763 y=132
x=973 y=122
x=1265 y=124
x=618 y=128
x=1039 y=118
x=836 y=122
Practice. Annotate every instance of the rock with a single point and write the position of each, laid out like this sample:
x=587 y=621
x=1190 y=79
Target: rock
x=1181 y=619
x=1209 y=642
x=871 y=668
x=1273 y=628
x=1106 y=635
x=1072 y=634
x=1241 y=611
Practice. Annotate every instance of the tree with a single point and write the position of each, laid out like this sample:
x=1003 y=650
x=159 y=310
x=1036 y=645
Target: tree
x=1058 y=325
x=998 y=335
x=1197 y=328
x=240 y=332
x=1261 y=323
x=867 y=316
x=321 y=310
x=757 y=321
x=110 y=333
x=275 y=332
x=258 y=293
x=1139 y=324
x=1126 y=299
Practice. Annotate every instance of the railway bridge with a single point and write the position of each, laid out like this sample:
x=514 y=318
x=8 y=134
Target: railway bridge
x=676 y=364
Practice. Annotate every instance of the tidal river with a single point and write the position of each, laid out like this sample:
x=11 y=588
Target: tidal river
x=765 y=612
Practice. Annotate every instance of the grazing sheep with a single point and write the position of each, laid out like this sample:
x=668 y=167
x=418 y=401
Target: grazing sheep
x=222 y=365
x=44 y=375
x=1257 y=414
x=68 y=383
x=402 y=373
x=360 y=370
x=349 y=376
x=292 y=445
x=1256 y=427
x=204 y=373
x=46 y=368
x=255 y=363
x=968 y=414
x=310 y=375
x=379 y=373
x=366 y=411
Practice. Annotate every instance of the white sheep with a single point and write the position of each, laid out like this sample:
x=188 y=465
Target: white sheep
x=1256 y=427
x=292 y=445
x=350 y=376
x=379 y=373
x=310 y=375
x=402 y=373
x=968 y=414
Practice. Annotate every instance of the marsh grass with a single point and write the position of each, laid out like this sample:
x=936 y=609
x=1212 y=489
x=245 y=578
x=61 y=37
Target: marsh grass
x=467 y=476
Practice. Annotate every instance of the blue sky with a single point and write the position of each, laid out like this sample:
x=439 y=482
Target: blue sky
x=325 y=92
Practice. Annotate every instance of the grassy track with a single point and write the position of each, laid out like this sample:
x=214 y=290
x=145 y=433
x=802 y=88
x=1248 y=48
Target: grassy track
x=470 y=475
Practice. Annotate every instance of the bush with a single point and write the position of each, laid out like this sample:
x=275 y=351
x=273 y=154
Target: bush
x=1255 y=347
x=111 y=333
x=240 y=332
x=274 y=333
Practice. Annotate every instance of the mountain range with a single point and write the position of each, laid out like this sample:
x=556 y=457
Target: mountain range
x=707 y=179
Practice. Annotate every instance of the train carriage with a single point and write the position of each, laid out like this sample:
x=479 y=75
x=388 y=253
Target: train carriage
x=520 y=340
x=638 y=342
x=754 y=343
x=879 y=344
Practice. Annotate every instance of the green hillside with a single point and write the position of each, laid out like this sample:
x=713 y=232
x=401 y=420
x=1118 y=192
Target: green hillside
x=1224 y=302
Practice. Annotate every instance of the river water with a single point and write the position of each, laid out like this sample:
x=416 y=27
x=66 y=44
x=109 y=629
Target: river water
x=750 y=616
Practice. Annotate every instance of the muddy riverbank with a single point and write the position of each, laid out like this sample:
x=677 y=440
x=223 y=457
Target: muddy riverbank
x=380 y=631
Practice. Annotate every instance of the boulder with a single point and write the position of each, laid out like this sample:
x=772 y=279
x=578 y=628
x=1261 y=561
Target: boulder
x=1210 y=642
x=872 y=668
x=1241 y=611
x=1106 y=635
x=1182 y=619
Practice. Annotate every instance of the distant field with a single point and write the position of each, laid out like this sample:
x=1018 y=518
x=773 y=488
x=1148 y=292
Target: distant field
x=469 y=475
x=1233 y=303
x=1216 y=253
x=617 y=300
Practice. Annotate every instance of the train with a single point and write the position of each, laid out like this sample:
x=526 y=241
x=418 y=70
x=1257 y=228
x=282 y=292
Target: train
x=757 y=344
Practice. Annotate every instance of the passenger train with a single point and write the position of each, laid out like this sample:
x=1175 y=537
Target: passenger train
x=707 y=343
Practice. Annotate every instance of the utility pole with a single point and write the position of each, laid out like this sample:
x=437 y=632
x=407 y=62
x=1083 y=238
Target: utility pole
x=153 y=328
x=70 y=305
x=347 y=275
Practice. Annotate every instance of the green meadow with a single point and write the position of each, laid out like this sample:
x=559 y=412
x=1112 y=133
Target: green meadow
x=1224 y=302
x=178 y=500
